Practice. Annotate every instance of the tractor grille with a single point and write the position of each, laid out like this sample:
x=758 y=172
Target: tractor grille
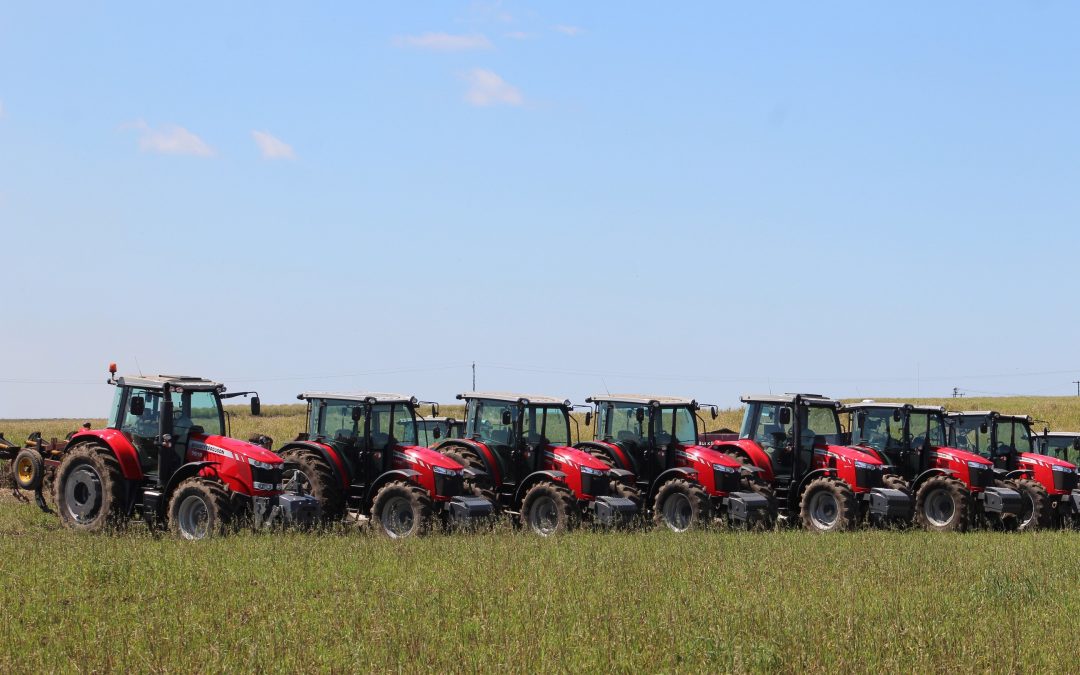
x=982 y=477
x=868 y=478
x=727 y=482
x=449 y=486
x=596 y=486
x=1065 y=481
x=266 y=477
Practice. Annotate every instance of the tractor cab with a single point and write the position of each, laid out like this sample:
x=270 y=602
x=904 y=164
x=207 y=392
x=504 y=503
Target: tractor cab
x=1002 y=439
x=432 y=429
x=520 y=429
x=1061 y=444
x=900 y=434
x=363 y=428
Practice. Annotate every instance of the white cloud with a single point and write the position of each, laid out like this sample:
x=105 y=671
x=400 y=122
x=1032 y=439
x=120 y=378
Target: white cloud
x=486 y=88
x=444 y=42
x=518 y=35
x=572 y=31
x=170 y=139
x=272 y=147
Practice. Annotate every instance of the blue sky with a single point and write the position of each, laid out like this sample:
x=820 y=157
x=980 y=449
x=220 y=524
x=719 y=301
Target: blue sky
x=700 y=199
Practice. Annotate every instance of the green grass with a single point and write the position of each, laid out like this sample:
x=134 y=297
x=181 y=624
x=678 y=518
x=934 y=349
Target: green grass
x=789 y=601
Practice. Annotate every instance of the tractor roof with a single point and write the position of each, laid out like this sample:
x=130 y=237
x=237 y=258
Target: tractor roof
x=448 y=420
x=811 y=399
x=159 y=382
x=529 y=399
x=642 y=399
x=358 y=396
x=890 y=405
x=1063 y=434
x=986 y=413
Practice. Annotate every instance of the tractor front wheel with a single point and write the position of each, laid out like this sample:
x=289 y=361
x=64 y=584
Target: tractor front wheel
x=29 y=469
x=401 y=510
x=828 y=505
x=548 y=509
x=89 y=489
x=1036 y=501
x=943 y=505
x=681 y=505
x=199 y=508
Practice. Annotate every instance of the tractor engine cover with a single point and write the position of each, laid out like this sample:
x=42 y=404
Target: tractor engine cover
x=613 y=510
x=746 y=506
x=1002 y=500
x=299 y=509
x=890 y=503
x=463 y=508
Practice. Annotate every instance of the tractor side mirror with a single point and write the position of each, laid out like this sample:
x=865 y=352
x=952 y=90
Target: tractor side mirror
x=436 y=433
x=507 y=418
x=860 y=418
x=785 y=416
x=137 y=405
x=588 y=418
x=434 y=409
x=1076 y=443
x=639 y=414
x=256 y=406
x=984 y=427
x=714 y=411
x=357 y=414
x=896 y=415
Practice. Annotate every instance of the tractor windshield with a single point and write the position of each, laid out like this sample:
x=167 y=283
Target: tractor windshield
x=675 y=423
x=392 y=423
x=622 y=422
x=491 y=421
x=878 y=428
x=197 y=409
x=926 y=425
x=1012 y=436
x=547 y=425
x=967 y=434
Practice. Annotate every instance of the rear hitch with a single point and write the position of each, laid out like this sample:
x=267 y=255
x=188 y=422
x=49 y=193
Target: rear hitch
x=889 y=503
x=613 y=511
x=464 y=509
x=1001 y=500
x=746 y=507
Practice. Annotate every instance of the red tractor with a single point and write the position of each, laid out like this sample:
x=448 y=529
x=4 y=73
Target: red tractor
x=165 y=456
x=518 y=447
x=685 y=485
x=796 y=442
x=361 y=457
x=954 y=489
x=1047 y=484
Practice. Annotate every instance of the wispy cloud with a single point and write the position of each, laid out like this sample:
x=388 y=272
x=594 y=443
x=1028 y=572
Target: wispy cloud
x=170 y=139
x=444 y=42
x=518 y=35
x=486 y=88
x=572 y=31
x=272 y=147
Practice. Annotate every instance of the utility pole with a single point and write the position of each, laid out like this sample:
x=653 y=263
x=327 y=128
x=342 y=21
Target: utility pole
x=474 y=377
x=1077 y=383
x=956 y=393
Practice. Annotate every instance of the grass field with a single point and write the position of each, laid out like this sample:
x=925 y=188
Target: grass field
x=644 y=601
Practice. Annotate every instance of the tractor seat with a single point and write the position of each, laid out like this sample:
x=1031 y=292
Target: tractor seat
x=344 y=435
x=626 y=436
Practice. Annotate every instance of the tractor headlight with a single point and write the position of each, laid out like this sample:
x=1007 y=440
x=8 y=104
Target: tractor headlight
x=1062 y=469
x=589 y=471
x=977 y=465
x=864 y=465
x=442 y=471
x=261 y=465
x=723 y=468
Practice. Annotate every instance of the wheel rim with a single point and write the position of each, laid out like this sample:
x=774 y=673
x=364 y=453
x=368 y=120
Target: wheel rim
x=939 y=508
x=193 y=517
x=82 y=494
x=544 y=516
x=25 y=470
x=678 y=512
x=397 y=517
x=1029 y=509
x=824 y=510
x=294 y=480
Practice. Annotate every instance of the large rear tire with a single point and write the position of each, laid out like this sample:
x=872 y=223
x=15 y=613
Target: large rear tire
x=401 y=510
x=479 y=485
x=1037 y=513
x=29 y=469
x=943 y=504
x=548 y=509
x=307 y=471
x=89 y=489
x=828 y=505
x=199 y=509
x=681 y=505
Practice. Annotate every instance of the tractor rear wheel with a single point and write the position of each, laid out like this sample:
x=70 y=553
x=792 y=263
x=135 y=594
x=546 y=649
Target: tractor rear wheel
x=549 y=509
x=89 y=489
x=29 y=469
x=479 y=486
x=681 y=505
x=199 y=508
x=1036 y=501
x=828 y=505
x=307 y=471
x=943 y=504
x=401 y=510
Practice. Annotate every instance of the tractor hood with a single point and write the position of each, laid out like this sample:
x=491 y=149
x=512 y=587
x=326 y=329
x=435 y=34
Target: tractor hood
x=961 y=456
x=849 y=453
x=418 y=454
x=234 y=448
x=575 y=457
x=1045 y=461
x=700 y=453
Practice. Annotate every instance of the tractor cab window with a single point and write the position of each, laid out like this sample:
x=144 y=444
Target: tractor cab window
x=766 y=430
x=966 y=435
x=394 y=421
x=1012 y=437
x=335 y=421
x=142 y=430
x=546 y=425
x=674 y=423
x=619 y=422
x=877 y=428
x=200 y=409
x=818 y=421
x=1061 y=447
x=486 y=421
x=925 y=426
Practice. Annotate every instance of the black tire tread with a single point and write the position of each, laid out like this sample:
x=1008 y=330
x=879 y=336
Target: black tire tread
x=216 y=494
x=699 y=501
x=418 y=498
x=564 y=501
x=325 y=485
x=108 y=467
x=848 y=516
x=961 y=497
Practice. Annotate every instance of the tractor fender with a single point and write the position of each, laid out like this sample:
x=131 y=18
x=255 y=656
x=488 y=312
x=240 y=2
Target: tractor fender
x=189 y=470
x=623 y=460
x=118 y=444
x=534 y=478
x=810 y=476
x=928 y=474
x=683 y=472
x=750 y=451
x=407 y=475
x=330 y=455
x=488 y=456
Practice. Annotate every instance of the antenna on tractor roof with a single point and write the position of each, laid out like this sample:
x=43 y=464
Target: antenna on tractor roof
x=604 y=382
x=138 y=366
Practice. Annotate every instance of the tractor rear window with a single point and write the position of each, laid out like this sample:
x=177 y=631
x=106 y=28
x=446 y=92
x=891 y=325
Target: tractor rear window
x=549 y=424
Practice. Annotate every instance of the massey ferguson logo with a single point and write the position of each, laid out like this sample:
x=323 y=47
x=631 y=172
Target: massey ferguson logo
x=198 y=448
